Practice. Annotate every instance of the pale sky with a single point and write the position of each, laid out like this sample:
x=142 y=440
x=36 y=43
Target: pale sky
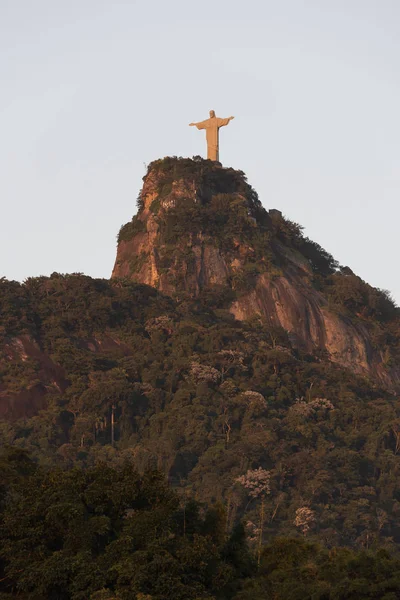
x=93 y=90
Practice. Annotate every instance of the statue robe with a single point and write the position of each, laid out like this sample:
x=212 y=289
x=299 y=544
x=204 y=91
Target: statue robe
x=212 y=126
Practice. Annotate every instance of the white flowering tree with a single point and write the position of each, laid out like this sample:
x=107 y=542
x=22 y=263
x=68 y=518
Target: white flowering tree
x=254 y=400
x=304 y=519
x=199 y=373
x=309 y=409
x=256 y=482
x=303 y=415
x=252 y=532
x=162 y=323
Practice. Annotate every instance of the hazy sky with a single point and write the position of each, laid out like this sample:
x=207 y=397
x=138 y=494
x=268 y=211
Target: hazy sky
x=93 y=90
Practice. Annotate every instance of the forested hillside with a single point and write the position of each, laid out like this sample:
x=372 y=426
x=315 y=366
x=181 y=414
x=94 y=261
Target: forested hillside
x=204 y=399
x=230 y=388
x=109 y=533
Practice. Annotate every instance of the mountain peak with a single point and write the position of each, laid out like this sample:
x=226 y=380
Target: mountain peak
x=194 y=217
x=201 y=231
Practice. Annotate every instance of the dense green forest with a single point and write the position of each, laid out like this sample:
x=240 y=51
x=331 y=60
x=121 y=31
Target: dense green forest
x=110 y=533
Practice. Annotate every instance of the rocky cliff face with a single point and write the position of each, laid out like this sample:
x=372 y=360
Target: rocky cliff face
x=40 y=373
x=201 y=229
x=37 y=376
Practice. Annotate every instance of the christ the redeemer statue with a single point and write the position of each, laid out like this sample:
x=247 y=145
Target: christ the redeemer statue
x=212 y=126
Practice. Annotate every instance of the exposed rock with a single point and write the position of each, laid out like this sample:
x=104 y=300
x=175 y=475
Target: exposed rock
x=42 y=374
x=45 y=376
x=280 y=286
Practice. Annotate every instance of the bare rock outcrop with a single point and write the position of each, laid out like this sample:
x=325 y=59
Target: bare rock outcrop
x=27 y=395
x=41 y=376
x=201 y=227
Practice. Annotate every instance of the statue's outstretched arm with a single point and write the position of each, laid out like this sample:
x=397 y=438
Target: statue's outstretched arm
x=223 y=122
x=200 y=125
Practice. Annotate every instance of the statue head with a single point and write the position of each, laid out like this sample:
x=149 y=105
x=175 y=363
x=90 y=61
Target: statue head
x=212 y=114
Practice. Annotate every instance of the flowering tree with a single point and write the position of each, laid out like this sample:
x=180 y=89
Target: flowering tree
x=309 y=409
x=162 y=323
x=304 y=520
x=205 y=373
x=257 y=484
x=254 y=399
x=252 y=532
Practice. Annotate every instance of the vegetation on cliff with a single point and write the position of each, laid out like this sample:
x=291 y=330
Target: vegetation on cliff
x=197 y=197
x=283 y=466
x=204 y=399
